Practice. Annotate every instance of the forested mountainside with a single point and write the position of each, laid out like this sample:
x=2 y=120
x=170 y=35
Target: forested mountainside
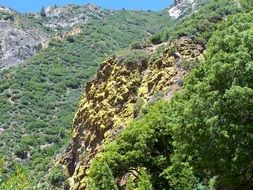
x=130 y=132
x=170 y=107
x=39 y=98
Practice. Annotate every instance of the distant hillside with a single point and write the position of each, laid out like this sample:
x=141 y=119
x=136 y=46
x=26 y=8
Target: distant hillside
x=23 y=35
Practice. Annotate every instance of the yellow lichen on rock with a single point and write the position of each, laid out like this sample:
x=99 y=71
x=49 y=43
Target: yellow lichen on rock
x=114 y=98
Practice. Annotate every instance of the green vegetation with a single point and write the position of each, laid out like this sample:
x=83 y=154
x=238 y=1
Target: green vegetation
x=18 y=178
x=146 y=143
x=200 y=24
x=132 y=56
x=220 y=138
x=38 y=99
x=56 y=176
x=6 y=16
x=203 y=137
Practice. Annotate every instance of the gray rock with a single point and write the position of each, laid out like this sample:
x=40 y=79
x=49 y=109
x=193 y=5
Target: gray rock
x=69 y=15
x=183 y=8
x=16 y=45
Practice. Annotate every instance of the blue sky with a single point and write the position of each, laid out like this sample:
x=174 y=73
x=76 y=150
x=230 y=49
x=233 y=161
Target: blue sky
x=35 y=5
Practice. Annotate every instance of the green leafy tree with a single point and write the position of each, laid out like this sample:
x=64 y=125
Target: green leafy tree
x=100 y=177
x=144 y=182
x=130 y=184
x=146 y=143
x=213 y=113
x=18 y=180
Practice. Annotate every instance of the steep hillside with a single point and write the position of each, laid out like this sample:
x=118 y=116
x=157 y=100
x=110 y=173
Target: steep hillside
x=122 y=86
x=111 y=151
x=39 y=98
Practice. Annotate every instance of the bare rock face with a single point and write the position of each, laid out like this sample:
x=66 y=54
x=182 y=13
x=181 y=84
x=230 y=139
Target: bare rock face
x=71 y=15
x=115 y=97
x=181 y=7
x=18 y=38
x=16 y=45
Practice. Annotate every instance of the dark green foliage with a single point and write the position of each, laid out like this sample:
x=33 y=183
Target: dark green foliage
x=70 y=39
x=102 y=178
x=157 y=39
x=144 y=181
x=56 y=176
x=215 y=122
x=42 y=12
x=146 y=143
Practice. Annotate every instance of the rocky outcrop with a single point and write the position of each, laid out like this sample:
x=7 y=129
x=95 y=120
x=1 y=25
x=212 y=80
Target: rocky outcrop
x=181 y=7
x=17 y=45
x=184 y=7
x=17 y=42
x=71 y=15
x=114 y=98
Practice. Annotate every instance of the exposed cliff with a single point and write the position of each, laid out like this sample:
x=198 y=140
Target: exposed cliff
x=70 y=15
x=19 y=38
x=184 y=7
x=114 y=98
